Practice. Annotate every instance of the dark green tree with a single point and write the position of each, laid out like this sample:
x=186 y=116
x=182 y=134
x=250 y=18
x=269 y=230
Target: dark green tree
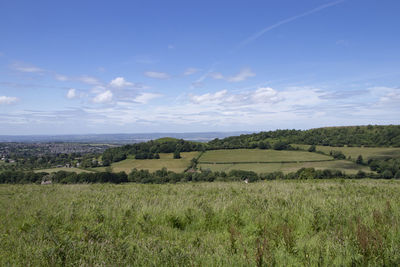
x=177 y=154
x=359 y=160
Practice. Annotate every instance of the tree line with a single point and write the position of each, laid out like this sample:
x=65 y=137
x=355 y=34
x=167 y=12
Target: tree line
x=151 y=149
x=371 y=135
x=165 y=176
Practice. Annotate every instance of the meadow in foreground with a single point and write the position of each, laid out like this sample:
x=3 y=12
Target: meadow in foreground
x=283 y=223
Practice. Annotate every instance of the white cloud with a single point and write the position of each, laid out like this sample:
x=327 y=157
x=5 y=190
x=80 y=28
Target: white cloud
x=257 y=99
x=7 y=100
x=89 y=80
x=265 y=95
x=216 y=75
x=190 y=71
x=61 y=78
x=171 y=46
x=120 y=82
x=208 y=98
x=71 y=93
x=146 y=97
x=98 y=89
x=22 y=67
x=258 y=108
x=386 y=95
x=241 y=76
x=104 y=97
x=157 y=75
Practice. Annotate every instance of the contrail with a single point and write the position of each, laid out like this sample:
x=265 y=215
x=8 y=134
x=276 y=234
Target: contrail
x=267 y=29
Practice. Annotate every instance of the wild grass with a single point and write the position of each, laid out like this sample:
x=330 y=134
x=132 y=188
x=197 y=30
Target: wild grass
x=282 y=223
x=345 y=166
x=258 y=155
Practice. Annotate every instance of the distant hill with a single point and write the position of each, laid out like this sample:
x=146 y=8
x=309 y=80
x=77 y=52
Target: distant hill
x=116 y=138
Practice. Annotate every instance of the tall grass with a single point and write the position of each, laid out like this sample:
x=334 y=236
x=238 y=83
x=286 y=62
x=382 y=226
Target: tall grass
x=284 y=223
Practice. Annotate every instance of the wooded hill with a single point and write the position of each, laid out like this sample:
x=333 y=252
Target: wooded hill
x=373 y=136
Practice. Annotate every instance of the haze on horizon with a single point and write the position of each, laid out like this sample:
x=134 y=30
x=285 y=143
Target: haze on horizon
x=76 y=67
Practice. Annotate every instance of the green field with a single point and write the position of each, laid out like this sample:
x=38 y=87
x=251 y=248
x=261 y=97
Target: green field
x=342 y=165
x=258 y=155
x=365 y=152
x=166 y=161
x=264 y=161
x=274 y=223
x=51 y=170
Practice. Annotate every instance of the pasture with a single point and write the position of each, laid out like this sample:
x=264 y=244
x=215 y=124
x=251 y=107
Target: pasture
x=258 y=155
x=166 y=161
x=365 y=152
x=265 y=161
x=282 y=223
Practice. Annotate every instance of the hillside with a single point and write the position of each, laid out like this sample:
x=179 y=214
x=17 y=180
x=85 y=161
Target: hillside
x=373 y=136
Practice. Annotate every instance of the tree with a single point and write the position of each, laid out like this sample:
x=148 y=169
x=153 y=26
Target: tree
x=387 y=174
x=281 y=145
x=177 y=154
x=361 y=174
x=264 y=145
x=312 y=148
x=360 y=160
x=336 y=154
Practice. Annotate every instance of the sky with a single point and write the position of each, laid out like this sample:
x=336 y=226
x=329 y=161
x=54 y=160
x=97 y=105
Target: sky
x=80 y=67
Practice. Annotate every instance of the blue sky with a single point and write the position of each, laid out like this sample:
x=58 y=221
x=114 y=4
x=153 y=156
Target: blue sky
x=75 y=67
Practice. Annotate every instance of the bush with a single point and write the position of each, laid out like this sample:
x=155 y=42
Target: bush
x=387 y=174
x=312 y=148
x=281 y=145
x=360 y=160
x=177 y=154
x=336 y=154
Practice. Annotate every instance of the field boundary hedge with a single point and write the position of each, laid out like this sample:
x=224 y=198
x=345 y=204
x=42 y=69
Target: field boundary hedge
x=263 y=162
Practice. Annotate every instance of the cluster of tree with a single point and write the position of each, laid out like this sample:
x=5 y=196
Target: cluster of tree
x=20 y=177
x=386 y=168
x=165 y=176
x=88 y=160
x=336 y=154
x=42 y=161
x=151 y=149
x=332 y=136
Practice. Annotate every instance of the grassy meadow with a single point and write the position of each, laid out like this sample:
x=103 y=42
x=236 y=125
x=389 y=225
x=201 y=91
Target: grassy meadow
x=166 y=161
x=283 y=223
x=265 y=161
x=258 y=155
